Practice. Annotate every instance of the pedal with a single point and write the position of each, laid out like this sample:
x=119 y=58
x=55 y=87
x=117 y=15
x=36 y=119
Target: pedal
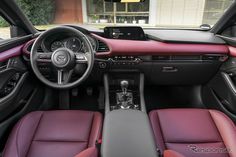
x=101 y=98
x=89 y=91
x=74 y=92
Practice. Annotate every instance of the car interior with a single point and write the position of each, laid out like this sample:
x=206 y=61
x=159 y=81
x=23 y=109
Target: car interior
x=119 y=91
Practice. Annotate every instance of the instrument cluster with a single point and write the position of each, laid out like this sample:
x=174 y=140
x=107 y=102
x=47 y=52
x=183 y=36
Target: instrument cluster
x=75 y=44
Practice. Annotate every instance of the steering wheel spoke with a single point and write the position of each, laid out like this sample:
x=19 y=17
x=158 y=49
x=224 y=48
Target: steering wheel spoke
x=63 y=77
x=81 y=58
x=44 y=57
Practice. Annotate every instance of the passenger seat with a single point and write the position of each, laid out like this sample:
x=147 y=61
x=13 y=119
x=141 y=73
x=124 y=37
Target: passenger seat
x=193 y=133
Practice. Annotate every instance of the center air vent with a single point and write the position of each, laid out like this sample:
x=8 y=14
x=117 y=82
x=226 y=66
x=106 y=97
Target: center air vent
x=176 y=58
x=102 y=47
x=186 y=58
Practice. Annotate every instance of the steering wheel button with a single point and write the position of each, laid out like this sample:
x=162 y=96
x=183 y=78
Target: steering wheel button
x=48 y=55
x=80 y=57
x=42 y=56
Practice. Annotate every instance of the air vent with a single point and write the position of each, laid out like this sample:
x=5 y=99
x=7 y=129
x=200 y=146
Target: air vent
x=210 y=58
x=102 y=47
x=161 y=58
x=30 y=47
x=186 y=58
x=176 y=58
x=3 y=65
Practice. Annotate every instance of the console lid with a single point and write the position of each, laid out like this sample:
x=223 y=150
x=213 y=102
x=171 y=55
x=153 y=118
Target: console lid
x=127 y=133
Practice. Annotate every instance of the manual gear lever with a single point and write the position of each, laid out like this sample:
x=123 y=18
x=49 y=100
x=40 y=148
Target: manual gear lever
x=124 y=86
x=124 y=99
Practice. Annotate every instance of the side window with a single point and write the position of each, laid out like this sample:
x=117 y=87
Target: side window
x=4 y=29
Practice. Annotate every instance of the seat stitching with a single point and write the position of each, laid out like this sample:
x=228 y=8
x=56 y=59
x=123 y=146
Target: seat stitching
x=91 y=128
x=35 y=132
x=216 y=126
x=196 y=142
x=58 y=141
x=17 y=132
x=162 y=135
x=231 y=123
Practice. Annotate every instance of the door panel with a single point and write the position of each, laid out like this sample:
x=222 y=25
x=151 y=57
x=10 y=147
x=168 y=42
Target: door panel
x=20 y=91
x=223 y=86
x=15 y=87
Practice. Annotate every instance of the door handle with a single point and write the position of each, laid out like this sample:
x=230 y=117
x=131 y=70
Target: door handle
x=169 y=69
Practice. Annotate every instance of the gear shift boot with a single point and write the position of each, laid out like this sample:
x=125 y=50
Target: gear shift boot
x=124 y=101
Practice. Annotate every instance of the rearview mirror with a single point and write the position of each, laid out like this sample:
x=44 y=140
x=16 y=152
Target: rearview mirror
x=124 y=1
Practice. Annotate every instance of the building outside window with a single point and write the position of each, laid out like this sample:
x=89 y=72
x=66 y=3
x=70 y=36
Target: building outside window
x=153 y=13
x=99 y=11
x=163 y=13
x=214 y=10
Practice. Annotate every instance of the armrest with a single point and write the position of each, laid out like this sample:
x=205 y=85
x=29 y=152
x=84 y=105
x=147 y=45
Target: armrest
x=127 y=133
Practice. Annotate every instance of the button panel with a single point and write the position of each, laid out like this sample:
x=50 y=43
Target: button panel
x=125 y=60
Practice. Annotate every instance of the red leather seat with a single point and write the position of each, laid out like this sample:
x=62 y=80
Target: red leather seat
x=54 y=134
x=194 y=132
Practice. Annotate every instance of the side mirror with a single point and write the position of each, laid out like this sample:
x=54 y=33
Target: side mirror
x=124 y=1
x=205 y=27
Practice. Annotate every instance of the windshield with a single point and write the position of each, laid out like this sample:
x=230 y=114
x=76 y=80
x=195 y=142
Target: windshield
x=150 y=13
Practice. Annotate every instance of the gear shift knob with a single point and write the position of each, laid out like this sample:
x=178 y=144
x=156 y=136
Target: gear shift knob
x=124 y=86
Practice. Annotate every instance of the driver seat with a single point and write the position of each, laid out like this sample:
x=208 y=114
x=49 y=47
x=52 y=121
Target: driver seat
x=54 y=134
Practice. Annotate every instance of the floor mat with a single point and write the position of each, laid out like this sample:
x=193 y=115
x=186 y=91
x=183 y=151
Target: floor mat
x=161 y=97
x=85 y=101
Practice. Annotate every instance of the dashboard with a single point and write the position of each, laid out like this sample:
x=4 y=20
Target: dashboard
x=165 y=57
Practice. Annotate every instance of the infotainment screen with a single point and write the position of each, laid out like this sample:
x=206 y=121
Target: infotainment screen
x=125 y=33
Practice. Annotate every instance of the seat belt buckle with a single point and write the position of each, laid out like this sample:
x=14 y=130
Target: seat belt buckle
x=98 y=143
x=98 y=146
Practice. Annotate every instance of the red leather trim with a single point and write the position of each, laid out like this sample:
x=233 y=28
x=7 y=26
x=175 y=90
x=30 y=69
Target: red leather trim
x=25 y=47
x=227 y=130
x=5 y=55
x=171 y=153
x=90 y=152
x=232 y=51
x=96 y=129
x=151 y=47
x=158 y=135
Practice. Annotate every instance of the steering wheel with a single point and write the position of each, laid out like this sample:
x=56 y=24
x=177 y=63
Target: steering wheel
x=63 y=59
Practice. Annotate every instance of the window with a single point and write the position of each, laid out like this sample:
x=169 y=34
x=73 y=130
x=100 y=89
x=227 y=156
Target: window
x=45 y=14
x=214 y=9
x=118 y=13
x=4 y=29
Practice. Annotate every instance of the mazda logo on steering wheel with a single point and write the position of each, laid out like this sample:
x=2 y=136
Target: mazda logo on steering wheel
x=61 y=59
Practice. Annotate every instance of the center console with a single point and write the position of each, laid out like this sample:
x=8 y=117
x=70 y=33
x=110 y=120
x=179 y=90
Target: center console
x=127 y=131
